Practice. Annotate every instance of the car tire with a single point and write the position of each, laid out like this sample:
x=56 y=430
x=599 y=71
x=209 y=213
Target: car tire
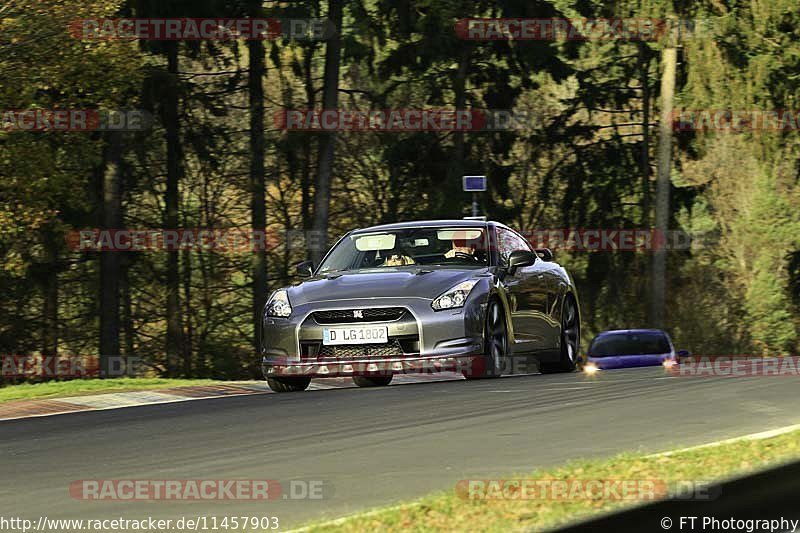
x=570 y=340
x=378 y=381
x=490 y=364
x=288 y=384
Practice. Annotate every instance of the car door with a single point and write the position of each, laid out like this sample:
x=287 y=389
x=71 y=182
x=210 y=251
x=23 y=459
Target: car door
x=556 y=286
x=528 y=293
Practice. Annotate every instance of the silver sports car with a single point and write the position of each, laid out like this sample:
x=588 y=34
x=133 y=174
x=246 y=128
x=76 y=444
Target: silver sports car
x=446 y=295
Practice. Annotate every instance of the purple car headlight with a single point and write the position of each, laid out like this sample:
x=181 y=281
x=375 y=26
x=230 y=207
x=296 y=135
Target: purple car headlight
x=591 y=368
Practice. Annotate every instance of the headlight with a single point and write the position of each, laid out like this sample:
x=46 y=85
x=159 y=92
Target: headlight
x=590 y=368
x=278 y=304
x=455 y=297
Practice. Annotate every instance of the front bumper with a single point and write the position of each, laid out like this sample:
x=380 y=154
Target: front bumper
x=635 y=361
x=370 y=366
x=424 y=340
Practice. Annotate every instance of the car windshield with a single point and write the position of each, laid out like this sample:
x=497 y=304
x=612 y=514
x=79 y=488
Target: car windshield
x=629 y=343
x=463 y=247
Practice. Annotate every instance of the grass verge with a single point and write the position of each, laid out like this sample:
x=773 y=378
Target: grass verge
x=79 y=387
x=447 y=511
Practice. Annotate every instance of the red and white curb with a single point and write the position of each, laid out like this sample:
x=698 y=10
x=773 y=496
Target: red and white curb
x=100 y=402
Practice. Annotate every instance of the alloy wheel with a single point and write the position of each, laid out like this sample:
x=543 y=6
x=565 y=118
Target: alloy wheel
x=497 y=338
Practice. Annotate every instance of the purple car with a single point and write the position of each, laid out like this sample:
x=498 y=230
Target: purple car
x=631 y=348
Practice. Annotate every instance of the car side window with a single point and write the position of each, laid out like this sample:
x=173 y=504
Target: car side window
x=507 y=242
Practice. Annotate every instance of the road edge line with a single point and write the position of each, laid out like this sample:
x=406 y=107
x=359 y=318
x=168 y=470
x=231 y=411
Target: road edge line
x=761 y=435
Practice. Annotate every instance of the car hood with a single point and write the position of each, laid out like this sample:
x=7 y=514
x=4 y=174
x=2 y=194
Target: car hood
x=383 y=283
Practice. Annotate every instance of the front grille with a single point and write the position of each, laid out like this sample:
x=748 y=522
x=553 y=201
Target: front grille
x=397 y=346
x=346 y=316
x=348 y=351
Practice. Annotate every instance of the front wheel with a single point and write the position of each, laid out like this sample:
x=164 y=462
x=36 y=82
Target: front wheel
x=378 y=381
x=288 y=384
x=490 y=365
x=570 y=340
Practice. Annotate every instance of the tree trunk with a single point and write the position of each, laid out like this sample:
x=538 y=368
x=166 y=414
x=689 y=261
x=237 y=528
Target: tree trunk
x=669 y=66
x=127 y=307
x=327 y=140
x=50 y=294
x=172 y=127
x=452 y=189
x=393 y=199
x=644 y=81
x=258 y=208
x=188 y=343
x=305 y=178
x=110 y=261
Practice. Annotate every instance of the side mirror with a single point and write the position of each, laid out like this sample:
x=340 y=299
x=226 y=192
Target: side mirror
x=305 y=269
x=520 y=258
x=545 y=254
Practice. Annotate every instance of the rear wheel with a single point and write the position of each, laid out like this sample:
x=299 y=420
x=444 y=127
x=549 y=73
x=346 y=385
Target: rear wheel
x=288 y=384
x=490 y=365
x=378 y=381
x=570 y=340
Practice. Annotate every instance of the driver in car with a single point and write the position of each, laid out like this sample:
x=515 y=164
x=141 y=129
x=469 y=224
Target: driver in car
x=461 y=247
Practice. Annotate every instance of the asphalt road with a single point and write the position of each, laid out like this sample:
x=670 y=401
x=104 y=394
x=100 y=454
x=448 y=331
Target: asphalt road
x=373 y=447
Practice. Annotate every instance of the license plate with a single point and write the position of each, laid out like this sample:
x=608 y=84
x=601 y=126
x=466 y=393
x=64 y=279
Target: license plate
x=355 y=335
